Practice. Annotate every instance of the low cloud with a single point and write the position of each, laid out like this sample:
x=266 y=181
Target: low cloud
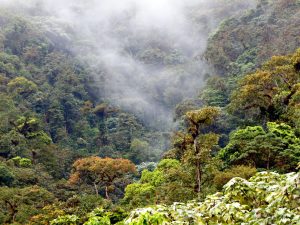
x=145 y=51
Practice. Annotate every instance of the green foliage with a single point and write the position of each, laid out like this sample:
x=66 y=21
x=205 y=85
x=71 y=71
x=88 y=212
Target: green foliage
x=96 y=217
x=169 y=182
x=194 y=147
x=100 y=216
x=22 y=162
x=215 y=92
x=25 y=162
x=19 y=204
x=222 y=177
x=97 y=220
x=65 y=220
x=47 y=84
x=6 y=175
x=51 y=115
x=270 y=93
x=22 y=86
x=239 y=46
x=82 y=204
x=139 y=194
x=147 y=216
x=139 y=151
x=22 y=136
x=278 y=147
x=267 y=198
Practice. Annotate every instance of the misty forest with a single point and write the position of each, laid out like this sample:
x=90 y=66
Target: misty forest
x=149 y=112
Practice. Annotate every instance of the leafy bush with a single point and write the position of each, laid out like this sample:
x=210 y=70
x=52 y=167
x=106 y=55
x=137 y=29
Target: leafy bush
x=22 y=162
x=267 y=198
x=65 y=220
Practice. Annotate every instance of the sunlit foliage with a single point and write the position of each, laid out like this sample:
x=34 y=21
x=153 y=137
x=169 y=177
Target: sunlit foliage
x=100 y=171
x=267 y=198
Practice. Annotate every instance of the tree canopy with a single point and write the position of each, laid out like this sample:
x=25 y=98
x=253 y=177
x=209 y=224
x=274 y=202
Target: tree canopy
x=100 y=171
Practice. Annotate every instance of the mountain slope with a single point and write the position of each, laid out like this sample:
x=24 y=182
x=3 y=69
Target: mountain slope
x=242 y=43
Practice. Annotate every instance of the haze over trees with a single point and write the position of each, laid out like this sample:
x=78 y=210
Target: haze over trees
x=149 y=112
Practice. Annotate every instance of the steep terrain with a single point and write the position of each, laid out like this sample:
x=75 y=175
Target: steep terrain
x=243 y=43
x=107 y=109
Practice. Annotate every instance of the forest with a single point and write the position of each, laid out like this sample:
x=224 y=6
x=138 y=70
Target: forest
x=139 y=112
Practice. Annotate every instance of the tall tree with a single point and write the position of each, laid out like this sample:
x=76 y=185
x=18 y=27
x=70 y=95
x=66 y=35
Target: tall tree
x=26 y=201
x=200 y=152
x=271 y=91
x=194 y=146
x=100 y=171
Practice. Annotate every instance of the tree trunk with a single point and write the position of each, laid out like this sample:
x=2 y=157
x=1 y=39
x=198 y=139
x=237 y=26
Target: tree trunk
x=198 y=176
x=198 y=168
x=13 y=212
x=268 y=162
x=96 y=189
x=106 y=192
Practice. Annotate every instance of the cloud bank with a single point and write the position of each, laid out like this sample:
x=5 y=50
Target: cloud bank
x=145 y=52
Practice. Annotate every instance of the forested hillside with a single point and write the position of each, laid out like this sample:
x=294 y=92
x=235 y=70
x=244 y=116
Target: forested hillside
x=240 y=44
x=149 y=113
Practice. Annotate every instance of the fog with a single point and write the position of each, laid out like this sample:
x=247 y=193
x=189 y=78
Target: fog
x=146 y=54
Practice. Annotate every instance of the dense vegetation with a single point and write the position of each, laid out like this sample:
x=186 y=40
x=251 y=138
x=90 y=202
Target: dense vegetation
x=50 y=118
x=69 y=156
x=267 y=198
